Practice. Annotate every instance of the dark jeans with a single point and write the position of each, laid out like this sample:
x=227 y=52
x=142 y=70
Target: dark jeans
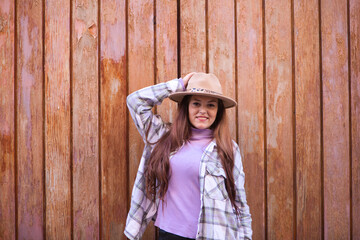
x=163 y=235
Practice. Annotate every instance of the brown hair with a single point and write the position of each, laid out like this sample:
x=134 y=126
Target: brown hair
x=157 y=169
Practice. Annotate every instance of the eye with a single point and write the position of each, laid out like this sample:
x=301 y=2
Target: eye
x=211 y=105
x=196 y=104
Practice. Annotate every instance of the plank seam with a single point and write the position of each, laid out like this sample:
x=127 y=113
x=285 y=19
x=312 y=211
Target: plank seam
x=236 y=73
x=350 y=117
x=264 y=109
x=207 y=35
x=71 y=121
x=43 y=120
x=15 y=120
x=155 y=44
x=155 y=50
x=321 y=126
x=155 y=72
x=178 y=38
x=294 y=121
x=99 y=117
x=127 y=93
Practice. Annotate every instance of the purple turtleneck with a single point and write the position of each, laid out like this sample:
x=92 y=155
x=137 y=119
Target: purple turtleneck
x=179 y=213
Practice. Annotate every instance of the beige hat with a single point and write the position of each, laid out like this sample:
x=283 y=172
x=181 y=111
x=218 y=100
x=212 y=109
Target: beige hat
x=204 y=84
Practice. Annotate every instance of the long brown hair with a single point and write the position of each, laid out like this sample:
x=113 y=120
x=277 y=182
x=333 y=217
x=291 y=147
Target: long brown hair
x=157 y=169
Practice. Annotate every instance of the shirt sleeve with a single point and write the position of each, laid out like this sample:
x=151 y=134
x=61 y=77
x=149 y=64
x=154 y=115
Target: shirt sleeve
x=141 y=102
x=182 y=84
x=239 y=177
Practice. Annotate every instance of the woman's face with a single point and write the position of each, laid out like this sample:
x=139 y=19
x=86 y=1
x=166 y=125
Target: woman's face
x=202 y=111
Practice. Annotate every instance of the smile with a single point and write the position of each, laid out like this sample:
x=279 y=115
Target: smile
x=202 y=118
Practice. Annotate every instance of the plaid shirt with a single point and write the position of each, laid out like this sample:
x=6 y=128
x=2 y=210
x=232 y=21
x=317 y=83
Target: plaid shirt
x=217 y=220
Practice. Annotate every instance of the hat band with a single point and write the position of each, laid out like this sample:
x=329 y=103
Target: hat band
x=202 y=90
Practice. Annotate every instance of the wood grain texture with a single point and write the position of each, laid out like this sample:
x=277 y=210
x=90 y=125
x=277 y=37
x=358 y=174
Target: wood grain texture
x=192 y=36
x=335 y=119
x=85 y=119
x=7 y=118
x=113 y=123
x=251 y=108
x=279 y=120
x=30 y=117
x=141 y=74
x=308 y=120
x=166 y=52
x=43 y=73
x=57 y=119
x=221 y=40
x=355 y=113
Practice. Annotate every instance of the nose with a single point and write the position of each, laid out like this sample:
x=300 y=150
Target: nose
x=202 y=109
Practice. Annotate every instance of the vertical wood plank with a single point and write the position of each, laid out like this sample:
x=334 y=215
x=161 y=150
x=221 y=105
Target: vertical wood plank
x=7 y=129
x=279 y=120
x=57 y=119
x=113 y=123
x=221 y=40
x=192 y=36
x=251 y=108
x=355 y=113
x=166 y=51
x=335 y=119
x=308 y=119
x=85 y=120
x=29 y=109
x=140 y=74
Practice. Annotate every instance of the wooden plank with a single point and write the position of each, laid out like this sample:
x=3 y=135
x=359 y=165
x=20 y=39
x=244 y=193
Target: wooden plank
x=251 y=107
x=335 y=119
x=85 y=120
x=166 y=51
x=113 y=123
x=354 y=7
x=308 y=120
x=221 y=41
x=7 y=128
x=192 y=36
x=29 y=109
x=57 y=123
x=140 y=74
x=279 y=122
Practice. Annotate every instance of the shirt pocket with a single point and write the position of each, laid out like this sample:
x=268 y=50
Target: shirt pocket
x=215 y=182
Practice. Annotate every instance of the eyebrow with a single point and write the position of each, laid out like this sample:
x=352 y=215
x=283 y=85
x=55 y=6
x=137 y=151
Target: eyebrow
x=196 y=99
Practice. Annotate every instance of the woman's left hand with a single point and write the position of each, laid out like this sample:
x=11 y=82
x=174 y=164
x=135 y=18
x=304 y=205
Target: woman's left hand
x=187 y=78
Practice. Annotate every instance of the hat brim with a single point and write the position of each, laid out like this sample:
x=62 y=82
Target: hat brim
x=178 y=96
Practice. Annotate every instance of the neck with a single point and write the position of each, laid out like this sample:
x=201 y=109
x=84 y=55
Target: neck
x=198 y=134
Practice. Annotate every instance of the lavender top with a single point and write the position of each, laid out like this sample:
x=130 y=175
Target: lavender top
x=179 y=213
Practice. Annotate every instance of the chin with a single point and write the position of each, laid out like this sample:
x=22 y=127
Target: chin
x=202 y=127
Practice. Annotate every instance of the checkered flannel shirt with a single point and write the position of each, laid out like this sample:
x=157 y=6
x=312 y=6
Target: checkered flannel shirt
x=217 y=220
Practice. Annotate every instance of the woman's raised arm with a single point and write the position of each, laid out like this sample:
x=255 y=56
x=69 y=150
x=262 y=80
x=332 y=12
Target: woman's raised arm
x=141 y=102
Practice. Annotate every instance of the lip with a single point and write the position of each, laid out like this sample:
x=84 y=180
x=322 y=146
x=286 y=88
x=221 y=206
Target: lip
x=202 y=118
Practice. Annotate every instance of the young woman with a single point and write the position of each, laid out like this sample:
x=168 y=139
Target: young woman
x=190 y=179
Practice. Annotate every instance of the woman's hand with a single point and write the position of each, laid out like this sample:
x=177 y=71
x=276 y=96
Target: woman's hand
x=187 y=78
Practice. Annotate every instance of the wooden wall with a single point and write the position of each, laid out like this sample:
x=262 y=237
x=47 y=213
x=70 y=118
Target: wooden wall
x=69 y=151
